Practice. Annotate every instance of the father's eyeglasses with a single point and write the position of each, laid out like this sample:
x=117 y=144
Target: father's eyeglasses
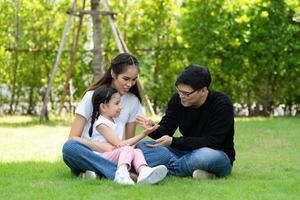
x=185 y=94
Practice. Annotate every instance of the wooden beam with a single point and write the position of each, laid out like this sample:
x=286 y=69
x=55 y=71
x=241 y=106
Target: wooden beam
x=89 y=12
x=72 y=63
x=115 y=30
x=55 y=67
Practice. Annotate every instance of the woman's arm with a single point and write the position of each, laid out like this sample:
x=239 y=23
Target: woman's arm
x=76 y=132
x=77 y=127
x=130 y=130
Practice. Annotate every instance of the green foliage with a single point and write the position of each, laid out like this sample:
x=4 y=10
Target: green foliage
x=155 y=41
x=150 y=31
x=251 y=47
x=36 y=41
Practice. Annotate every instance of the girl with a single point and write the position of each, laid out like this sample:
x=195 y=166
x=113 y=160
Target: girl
x=104 y=128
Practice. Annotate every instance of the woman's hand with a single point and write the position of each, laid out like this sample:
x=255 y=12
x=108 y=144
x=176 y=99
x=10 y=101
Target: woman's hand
x=121 y=144
x=103 y=146
x=144 y=122
x=96 y=145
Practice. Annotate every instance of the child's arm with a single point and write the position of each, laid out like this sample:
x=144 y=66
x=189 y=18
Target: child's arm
x=114 y=140
x=137 y=138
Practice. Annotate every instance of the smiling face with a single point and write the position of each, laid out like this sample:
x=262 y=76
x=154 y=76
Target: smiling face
x=124 y=81
x=190 y=97
x=112 y=108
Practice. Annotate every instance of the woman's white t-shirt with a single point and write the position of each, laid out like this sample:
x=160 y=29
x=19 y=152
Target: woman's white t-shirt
x=130 y=107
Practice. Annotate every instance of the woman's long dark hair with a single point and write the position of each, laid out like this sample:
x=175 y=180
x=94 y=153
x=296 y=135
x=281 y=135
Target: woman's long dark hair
x=101 y=94
x=118 y=65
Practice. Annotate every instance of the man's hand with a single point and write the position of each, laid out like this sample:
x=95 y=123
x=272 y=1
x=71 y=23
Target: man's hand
x=162 y=142
x=144 y=122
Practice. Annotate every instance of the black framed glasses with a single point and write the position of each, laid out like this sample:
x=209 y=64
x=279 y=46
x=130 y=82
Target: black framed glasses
x=185 y=94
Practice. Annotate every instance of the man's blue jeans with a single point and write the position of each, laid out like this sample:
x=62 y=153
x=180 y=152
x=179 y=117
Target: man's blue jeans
x=81 y=158
x=183 y=163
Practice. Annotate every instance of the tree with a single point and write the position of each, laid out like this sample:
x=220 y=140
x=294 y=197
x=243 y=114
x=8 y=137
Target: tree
x=97 y=62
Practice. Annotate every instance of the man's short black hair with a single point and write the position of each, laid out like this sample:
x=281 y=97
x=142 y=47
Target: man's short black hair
x=194 y=75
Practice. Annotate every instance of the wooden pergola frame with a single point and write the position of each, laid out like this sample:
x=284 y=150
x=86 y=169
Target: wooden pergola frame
x=119 y=41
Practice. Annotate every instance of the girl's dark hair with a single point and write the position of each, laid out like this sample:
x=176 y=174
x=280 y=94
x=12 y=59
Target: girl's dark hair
x=101 y=94
x=118 y=65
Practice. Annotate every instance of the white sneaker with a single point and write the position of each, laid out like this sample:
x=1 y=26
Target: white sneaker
x=122 y=177
x=88 y=175
x=153 y=175
x=201 y=174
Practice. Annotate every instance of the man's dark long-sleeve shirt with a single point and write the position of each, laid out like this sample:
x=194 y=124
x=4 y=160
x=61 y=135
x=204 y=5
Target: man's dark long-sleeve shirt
x=211 y=125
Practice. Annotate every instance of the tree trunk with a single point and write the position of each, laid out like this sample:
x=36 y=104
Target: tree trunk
x=97 y=62
x=17 y=99
x=30 y=107
x=267 y=99
x=14 y=83
x=72 y=62
x=47 y=67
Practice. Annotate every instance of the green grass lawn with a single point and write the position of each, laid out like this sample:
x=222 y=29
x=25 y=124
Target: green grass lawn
x=267 y=165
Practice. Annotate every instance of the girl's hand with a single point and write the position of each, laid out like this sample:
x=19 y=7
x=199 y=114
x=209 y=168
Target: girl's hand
x=121 y=144
x=144 y=122
x=149 y=130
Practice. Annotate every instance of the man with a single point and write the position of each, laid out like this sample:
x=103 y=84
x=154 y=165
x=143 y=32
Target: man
x=206 y=121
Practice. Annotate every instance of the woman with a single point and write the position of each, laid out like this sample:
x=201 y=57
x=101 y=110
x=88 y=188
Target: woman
x=78 y=150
